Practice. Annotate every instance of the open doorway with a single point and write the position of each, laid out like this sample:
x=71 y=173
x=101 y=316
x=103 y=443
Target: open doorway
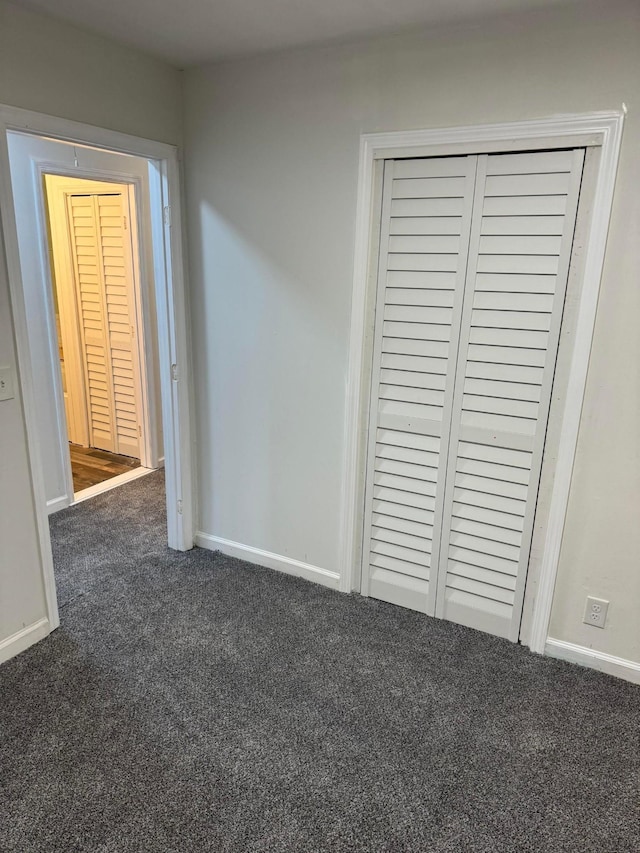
x=87 y=257
x=35 y=148
x=97 y=300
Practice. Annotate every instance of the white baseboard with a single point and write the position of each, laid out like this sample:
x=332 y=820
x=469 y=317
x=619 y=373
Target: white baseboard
x=21 y=640
x=620 y=667
x=268 y=559
x=56 y=504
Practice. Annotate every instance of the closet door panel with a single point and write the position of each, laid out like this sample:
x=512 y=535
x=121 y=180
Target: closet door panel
x=120 y=317
x=522 y=233
x=425 y=228
x=83 y=230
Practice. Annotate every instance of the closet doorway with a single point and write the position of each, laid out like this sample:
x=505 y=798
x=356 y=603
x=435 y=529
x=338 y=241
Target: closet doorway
x=479 y=252
x=95 y=279
x=472 y=275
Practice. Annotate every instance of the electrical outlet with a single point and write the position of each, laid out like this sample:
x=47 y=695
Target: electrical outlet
x=6 y=383
x=595 y=613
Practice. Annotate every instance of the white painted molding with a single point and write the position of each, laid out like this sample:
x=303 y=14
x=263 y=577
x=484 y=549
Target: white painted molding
x=75 y=131
x=357 y=337
x=602 y=129
x=268 y=559
x=175 y=353
x=25 y=373
x=603 y=662
x=56 y=504
x=576 y=130
x=21 y=640
x=593 y=265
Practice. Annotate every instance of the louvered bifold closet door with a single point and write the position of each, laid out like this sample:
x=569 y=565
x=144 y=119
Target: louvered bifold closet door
x=118 y=280
x=104 y=283
x=85 y=245
x=522 y=234
x=424 y=240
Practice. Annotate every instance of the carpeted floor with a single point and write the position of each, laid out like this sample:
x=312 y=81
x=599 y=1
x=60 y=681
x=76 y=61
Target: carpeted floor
x=197 y=703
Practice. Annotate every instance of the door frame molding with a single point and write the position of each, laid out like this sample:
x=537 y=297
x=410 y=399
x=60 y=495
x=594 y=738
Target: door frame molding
x=172 y=318
x=601 y=129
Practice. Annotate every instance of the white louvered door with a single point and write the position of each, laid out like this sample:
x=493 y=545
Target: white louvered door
x=83 y=230
x=101 y=257
x=426 y=221
x=479 y=475
x=523 y=223
x=121 y=323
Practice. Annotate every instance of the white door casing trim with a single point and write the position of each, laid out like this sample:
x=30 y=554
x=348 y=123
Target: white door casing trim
x=22 y=639
x=169 y=271
x=602 y=129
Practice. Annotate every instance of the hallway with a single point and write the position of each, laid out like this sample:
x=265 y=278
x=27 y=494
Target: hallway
x=191 y=702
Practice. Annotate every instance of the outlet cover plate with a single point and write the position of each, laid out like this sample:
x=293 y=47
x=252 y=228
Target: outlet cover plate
x=595 y=612
x=6 y=383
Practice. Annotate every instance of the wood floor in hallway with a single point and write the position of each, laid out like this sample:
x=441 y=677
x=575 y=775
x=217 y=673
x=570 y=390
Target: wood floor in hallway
x=91 y=466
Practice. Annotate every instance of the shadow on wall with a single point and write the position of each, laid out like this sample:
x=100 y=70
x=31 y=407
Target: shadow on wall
x=265 y=368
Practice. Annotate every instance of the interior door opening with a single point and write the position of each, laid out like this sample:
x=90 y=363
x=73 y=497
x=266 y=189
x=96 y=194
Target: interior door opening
x=95 y=277
x=89 y=260
x=32 y=146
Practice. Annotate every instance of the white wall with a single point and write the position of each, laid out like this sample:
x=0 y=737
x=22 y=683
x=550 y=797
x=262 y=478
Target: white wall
x=271 y=166
x=54 y=68
x=22 y=595
x=51 y=67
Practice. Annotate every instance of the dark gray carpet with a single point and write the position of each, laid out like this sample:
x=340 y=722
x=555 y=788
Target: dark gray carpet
x=197 y=703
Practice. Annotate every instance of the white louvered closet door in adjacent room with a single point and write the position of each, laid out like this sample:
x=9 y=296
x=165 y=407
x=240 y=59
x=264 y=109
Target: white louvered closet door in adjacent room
x=102 y=262
x=472 y=280
x=426 y=221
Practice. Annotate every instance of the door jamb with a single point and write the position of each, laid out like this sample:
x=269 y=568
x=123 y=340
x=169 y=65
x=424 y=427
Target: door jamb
x=602 y=129
x=172 y=318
